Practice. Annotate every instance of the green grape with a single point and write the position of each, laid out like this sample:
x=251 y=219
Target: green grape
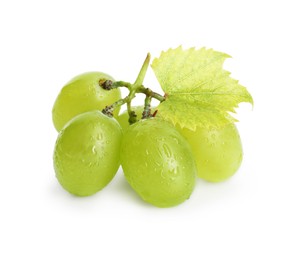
x=218 y=152
x=86 y=155
x=82 y=94
x=158 y=162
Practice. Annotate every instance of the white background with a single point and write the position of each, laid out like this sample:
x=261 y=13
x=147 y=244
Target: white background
x=254 y=215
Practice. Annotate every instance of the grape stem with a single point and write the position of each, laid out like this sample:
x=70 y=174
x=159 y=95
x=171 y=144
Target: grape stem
x=136 y=87
x=142 y=72
x=150 y=93
x=147 y=107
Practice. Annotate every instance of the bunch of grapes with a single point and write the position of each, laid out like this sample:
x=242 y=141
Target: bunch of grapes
x=159 y=156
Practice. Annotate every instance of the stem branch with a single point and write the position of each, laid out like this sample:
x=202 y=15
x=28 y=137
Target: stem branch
x=142 y=72
x=147 y=107
x=149 y=92
x=137 y=87
x=108 y=110
x=132 y=114
x=109 y=84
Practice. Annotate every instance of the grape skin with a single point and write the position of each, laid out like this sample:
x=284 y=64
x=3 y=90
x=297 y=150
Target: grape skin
x=158 y=162
x=218 y=152
x=82 y=94
x=86 y=155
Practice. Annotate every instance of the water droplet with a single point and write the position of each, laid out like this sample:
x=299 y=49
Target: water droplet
x=99 y=136
x=176 y=140
x=163 y=175
x=166 y=150
x=157 y=163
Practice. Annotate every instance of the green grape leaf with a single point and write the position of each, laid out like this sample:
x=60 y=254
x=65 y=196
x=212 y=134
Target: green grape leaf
x=199 y=92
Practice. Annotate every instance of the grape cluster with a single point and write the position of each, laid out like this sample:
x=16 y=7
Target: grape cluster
x=160 y=160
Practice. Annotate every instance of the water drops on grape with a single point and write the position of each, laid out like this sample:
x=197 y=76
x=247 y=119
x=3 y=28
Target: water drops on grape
x=160 y=180
x=83 y=162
